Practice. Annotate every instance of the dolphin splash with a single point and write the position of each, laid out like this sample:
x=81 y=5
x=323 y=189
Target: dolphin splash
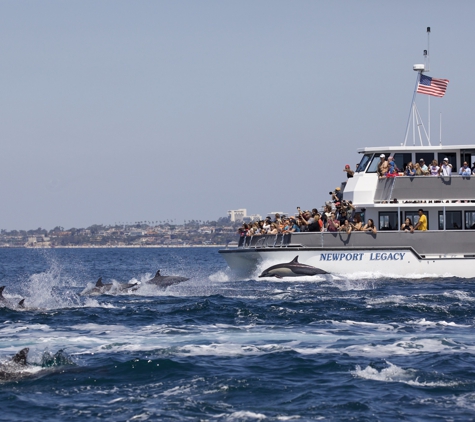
x=291 y=269
x=163 y=281
x=159 y=281
x=102 y=288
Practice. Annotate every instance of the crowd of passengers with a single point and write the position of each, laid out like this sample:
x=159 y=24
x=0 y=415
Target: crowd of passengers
x=388 y=168
x=341 y=215
x=338 y=215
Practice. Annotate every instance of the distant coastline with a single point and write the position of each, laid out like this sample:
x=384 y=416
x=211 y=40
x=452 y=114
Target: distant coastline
x=191 y=234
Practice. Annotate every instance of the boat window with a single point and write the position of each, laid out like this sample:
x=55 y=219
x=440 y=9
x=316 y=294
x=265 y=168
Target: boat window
x=388 y=220
x=402 y=159
x=426 y=156
x=452 y=156
x=470 y=220
x=453 y=220
x=363 y=163
x=467 y=155
x=414 y=216
x=373 y=167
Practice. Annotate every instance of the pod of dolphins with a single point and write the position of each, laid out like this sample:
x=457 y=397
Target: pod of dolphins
x=159 y=281
x=15 y=369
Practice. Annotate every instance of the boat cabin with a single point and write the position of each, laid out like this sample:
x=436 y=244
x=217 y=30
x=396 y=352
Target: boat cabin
x=448 y=202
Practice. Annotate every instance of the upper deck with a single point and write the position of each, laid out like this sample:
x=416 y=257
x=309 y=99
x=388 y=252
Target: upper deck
x=367 y=189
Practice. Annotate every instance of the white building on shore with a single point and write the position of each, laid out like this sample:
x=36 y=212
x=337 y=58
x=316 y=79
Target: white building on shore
x=237 y=215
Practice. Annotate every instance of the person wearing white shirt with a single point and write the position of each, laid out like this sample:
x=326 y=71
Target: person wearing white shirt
x=446 y=168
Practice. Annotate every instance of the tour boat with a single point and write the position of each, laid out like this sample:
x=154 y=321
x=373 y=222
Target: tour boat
x=446 y=248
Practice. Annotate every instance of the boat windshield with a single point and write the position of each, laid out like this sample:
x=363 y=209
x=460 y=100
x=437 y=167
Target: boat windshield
x=363 y=163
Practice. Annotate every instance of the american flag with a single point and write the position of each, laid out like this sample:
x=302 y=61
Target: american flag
x=432 y=86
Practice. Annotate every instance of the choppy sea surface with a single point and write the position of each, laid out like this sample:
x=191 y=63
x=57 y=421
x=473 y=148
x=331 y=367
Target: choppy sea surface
x=361 y=348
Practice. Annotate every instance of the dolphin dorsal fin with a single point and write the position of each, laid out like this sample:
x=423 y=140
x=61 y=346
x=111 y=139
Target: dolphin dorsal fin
x=21 y=303
x=21 y=356
x=1 y=292
x=157 y=274
x=295 y=260
x=99 y=282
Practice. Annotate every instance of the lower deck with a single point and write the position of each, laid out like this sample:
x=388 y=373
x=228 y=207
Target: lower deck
x=431 y=252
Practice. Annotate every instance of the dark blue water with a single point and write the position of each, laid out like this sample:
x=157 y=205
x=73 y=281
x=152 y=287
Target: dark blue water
x=219 y=348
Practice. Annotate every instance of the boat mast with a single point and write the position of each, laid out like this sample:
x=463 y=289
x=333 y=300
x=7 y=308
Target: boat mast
x=427 y=69
x=414 y=112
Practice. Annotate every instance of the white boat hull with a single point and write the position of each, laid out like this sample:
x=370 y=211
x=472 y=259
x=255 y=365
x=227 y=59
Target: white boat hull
x=384 y=254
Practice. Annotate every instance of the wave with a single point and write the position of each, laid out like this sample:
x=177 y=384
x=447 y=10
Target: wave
x=393 y=373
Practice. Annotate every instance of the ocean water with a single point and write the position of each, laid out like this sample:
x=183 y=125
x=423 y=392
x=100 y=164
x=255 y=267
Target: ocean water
x=361 y=348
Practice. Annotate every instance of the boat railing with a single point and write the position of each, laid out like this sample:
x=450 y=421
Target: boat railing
x=266 y=241
x=430 y=243
x=427 y=188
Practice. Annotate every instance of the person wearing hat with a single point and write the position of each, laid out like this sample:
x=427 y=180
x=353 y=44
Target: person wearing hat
x=382 y=166
x=424 y=168
x=337 y=195
x=446 y=168
x=349 y=172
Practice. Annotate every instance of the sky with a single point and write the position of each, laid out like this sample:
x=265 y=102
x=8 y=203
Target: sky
x=124 y=111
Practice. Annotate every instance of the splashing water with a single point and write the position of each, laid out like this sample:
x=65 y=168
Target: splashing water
x=49 y=290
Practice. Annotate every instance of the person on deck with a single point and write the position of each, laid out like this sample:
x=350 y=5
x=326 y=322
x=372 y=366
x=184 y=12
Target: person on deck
x=357 y=225
x=465 y=170
x=369 y=226
x=422 y=223
x=345 y=227
x=424 y=168
x=392 y=168
x=349 y=173
x=332 y=223
x=410 y=170
x=317 y=225
x=418 y=170
x=407 y=226
x=446 y=168
x=337 y=195
x=382 y=166
x=434 y=169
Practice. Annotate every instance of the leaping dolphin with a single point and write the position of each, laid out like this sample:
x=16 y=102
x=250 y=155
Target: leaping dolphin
x=164 y=281
x=291 y=269
x=101 y=288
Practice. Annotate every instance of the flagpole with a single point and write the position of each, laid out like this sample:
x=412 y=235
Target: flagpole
x=411 y=110
x=428 y=123
x=427 y=69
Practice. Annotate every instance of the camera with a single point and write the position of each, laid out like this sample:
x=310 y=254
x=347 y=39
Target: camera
x=331 y=193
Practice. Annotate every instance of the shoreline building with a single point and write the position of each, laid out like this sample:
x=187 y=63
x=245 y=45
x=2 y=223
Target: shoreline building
x=241 y=215
x=237 y=215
